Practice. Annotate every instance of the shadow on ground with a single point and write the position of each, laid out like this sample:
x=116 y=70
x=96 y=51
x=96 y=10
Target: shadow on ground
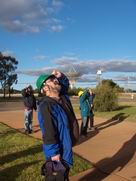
x=122 y=107
x=118 y=118
x=99 y=127
x=11 y=173
x=116 y=163
x=36 y=129
x=24 y=153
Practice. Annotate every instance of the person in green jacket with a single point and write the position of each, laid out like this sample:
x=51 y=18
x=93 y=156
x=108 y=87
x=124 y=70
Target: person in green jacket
x=84 y=111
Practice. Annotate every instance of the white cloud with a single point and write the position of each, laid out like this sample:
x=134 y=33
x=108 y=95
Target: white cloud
x=8 y=53
x=57 y=28
x=47 y=70
x=40 y=57
x=30 y=16
x=86 y=70
x=64 y=60
x=86 y=66
x=57 y=3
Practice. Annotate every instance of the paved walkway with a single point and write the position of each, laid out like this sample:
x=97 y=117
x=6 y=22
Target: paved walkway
x=111 y=148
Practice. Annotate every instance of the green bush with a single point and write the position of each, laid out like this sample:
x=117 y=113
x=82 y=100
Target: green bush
x=106 y=98
x=74 y=91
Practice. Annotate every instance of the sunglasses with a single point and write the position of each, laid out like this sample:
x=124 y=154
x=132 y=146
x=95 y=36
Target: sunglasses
x=51 y=79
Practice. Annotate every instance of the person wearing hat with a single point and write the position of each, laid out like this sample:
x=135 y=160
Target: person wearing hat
x=84 y=111
x=56 y=118
x=30 y=105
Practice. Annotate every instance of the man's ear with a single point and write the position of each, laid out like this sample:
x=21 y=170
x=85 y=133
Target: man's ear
x=41 y=91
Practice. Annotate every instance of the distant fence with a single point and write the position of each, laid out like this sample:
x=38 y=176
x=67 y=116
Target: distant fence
x=15 y=95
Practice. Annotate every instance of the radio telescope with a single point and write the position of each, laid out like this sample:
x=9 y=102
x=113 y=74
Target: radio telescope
x=72 y=74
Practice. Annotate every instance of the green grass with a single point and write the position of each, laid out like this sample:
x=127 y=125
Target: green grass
x=126 y=109
x=21 y=157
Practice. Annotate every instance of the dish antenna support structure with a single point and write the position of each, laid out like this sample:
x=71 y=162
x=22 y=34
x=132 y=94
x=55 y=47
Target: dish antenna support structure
x=72 y=75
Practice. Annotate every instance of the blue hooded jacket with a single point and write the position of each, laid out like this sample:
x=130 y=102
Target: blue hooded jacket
x=54 y=124
x=84 y=104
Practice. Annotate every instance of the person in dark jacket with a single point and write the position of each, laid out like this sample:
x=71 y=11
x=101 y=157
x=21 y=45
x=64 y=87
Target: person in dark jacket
x=57 y=120
x=30 y=105
x=91 y=116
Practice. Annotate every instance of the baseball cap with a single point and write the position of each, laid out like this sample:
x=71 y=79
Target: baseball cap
x=80 y=93
x=42 y=78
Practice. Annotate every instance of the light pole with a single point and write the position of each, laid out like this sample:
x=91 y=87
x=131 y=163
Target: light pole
x=127 y=84
x=99 y=73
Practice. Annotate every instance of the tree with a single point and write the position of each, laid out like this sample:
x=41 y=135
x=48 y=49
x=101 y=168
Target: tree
x=8 y=77
x=74 y=91
x=113 y=85
x=109 y=82
x=106 y=97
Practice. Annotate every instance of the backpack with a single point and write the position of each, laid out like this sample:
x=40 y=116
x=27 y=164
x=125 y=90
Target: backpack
x=55 y=171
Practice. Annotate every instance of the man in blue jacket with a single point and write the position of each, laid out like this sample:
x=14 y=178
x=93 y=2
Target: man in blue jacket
x=56 y=118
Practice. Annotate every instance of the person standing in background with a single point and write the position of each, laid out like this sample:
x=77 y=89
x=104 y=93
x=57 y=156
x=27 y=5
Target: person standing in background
x=84 y=111
x=91 y=115
x=30 y=105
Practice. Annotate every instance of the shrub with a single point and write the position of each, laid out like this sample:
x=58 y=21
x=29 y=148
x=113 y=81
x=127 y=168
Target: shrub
x=74 y=91
x=106 y=98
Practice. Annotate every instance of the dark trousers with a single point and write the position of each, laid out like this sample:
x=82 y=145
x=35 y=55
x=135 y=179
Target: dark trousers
x=91 y=121
x=67 y=174
x=83 y=130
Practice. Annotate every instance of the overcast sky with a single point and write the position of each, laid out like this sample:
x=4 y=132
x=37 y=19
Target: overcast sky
x=83 y=36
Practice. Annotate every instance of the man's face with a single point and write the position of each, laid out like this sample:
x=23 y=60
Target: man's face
x=51 y=86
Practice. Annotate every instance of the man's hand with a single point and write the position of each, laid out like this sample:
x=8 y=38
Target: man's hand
x=90 y=91
x=56 y=158
x=57 y=73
